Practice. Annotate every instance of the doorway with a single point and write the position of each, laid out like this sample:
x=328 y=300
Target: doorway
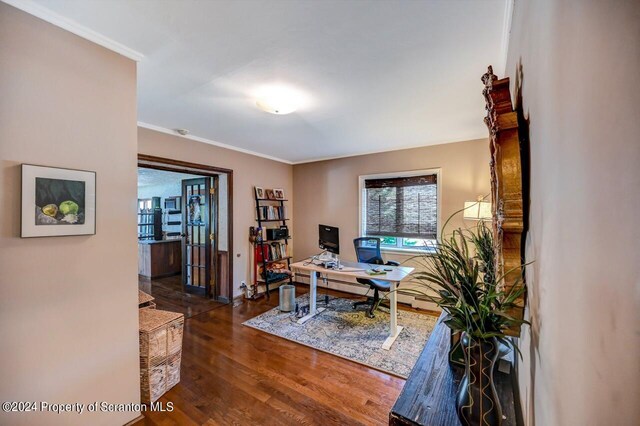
x=193 y=204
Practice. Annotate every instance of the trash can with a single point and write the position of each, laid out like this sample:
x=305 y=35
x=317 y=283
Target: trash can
x=287 y=298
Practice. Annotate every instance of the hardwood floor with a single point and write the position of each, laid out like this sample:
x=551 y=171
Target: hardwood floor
x=236 y=375
x=170 y=297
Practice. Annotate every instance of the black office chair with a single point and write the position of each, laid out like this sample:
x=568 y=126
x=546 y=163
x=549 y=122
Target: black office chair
x=368 y=251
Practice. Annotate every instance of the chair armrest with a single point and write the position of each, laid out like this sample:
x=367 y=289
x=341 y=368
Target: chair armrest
x=392 y=263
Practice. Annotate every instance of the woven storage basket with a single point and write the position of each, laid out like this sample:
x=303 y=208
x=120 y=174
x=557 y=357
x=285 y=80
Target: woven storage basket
x=144 y=298
x=173 y=369
x=160 y=352
x=153 y=382
x=148 y=305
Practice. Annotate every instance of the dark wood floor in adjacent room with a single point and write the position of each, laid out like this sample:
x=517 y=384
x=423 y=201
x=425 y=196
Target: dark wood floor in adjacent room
x=236 y=375
x=170 y=297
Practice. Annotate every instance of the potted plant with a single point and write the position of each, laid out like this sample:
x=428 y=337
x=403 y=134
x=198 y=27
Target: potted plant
x=460 y=276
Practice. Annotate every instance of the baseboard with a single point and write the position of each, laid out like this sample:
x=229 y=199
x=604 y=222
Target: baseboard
x=516 y=391
x=238 y=300
x=353 y=287
x=134 y=421
x=157 y=277
x=262 y=288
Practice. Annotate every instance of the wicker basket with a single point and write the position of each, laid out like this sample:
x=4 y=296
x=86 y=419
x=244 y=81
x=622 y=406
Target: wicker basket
x=148 y=305
x=144 y=298
x=160 y=352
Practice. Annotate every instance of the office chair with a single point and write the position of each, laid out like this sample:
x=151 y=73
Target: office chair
x=368 y=251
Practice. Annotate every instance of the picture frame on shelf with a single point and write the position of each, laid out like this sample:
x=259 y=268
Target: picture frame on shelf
x=259 y=191
x=269 y=194
x=57 y=202
x=278 y=194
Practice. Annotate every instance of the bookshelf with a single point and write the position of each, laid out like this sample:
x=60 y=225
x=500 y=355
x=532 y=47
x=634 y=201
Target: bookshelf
x=270 y=213
x=150 y=225
x=173 y=216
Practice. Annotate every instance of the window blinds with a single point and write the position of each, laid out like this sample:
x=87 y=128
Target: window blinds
x=401 y=207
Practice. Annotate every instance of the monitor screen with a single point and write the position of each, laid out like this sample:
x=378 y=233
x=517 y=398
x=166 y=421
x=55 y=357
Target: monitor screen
x=329 y=238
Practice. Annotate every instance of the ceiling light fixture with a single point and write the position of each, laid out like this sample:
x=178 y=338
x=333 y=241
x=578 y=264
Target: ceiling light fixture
x=279 y=99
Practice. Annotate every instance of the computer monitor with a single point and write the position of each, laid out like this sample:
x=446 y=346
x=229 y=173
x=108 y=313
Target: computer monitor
x=329 y=238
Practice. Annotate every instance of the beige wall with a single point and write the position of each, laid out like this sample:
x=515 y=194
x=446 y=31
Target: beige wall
x=327 y=191
x=581 y=89
x=248 y=171
x=68 y=305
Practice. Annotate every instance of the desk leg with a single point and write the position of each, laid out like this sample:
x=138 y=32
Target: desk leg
x=313 y=290
x=394 y=328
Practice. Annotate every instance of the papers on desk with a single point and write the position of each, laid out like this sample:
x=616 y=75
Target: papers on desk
x=350 y=269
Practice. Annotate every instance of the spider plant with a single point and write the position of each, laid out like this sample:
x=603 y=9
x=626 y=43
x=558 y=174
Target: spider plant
x=460 y=277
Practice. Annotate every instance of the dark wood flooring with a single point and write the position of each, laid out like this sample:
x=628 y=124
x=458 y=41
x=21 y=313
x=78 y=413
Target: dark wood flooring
x=236 y=375
x=170 y=297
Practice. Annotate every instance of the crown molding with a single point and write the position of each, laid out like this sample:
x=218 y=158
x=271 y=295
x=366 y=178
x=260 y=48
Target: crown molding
x=294 y=163
x=210 y=142
x=385 y=150
x=70 y=25
x=506 y=32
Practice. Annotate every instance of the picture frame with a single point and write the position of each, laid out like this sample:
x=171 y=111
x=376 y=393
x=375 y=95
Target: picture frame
x=57 y=202
x=269 y=194
x=278 y=193
x=172 y=203
x=259 y=191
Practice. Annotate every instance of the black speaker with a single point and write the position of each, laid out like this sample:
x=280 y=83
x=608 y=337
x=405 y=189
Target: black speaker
x=277 y=233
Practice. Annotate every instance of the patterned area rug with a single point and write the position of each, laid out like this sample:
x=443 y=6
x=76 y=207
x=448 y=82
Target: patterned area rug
x=350 y=334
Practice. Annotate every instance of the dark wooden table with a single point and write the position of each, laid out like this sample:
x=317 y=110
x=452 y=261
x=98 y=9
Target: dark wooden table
x=429 y=395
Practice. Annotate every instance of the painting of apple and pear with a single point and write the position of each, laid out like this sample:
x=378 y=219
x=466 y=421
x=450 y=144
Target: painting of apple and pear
x=59 y=202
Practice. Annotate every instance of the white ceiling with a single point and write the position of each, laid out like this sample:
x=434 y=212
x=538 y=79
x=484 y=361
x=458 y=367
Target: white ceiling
x=381 y=75
x=153 y=177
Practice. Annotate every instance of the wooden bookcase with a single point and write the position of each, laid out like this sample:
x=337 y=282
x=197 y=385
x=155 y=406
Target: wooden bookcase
x=270 y=212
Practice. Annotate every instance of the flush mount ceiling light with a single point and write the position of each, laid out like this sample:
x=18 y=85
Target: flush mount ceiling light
x=279 y=99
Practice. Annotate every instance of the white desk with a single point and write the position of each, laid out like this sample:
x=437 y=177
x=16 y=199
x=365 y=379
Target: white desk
x=357 y=270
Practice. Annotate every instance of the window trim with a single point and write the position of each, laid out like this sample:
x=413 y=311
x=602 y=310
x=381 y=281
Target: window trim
x=402 y=249
x=408 y=173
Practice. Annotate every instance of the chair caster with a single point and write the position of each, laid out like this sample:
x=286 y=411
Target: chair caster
x=370 y=315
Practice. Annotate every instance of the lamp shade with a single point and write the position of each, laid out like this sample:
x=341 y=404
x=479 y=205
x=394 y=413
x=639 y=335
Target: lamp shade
x=476 y=210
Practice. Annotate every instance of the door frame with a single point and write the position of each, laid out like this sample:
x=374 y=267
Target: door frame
x=171 y=165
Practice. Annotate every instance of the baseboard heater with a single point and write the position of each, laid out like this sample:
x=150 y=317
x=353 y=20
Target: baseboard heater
x=362 y=287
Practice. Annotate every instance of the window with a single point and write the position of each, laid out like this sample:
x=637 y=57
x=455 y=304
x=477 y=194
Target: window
x=144 y=204
x=402 y=209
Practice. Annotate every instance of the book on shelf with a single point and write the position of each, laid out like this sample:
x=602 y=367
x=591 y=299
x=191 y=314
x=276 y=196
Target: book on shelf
x=272 y=212
x=277 y=251
x=270 y=252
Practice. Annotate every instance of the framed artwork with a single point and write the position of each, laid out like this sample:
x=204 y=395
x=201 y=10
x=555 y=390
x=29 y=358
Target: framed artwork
x=194 y=213
x=57 y=202
x=278 y=194
x=259 y=192
x=269 y=194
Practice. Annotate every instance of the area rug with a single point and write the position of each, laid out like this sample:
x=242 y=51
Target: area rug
x=350 y=334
